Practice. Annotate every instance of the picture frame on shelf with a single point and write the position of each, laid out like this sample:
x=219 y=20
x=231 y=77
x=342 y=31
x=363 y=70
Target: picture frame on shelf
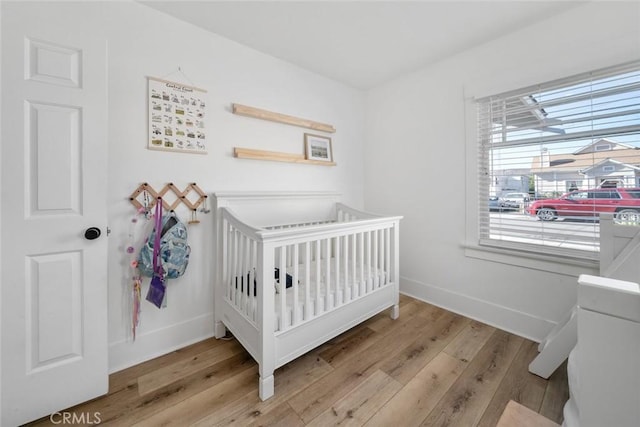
x=318 y=148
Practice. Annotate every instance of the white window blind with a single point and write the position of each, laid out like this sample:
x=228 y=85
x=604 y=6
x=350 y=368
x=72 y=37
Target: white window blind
x=571 y=150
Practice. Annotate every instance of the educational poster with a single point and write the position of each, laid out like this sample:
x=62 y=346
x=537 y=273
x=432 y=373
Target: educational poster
x=176 y=117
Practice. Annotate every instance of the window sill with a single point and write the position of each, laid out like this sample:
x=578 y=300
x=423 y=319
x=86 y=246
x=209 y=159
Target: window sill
x=568 y=266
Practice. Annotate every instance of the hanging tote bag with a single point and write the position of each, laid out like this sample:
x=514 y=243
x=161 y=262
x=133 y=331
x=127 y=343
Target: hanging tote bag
x=157 y=288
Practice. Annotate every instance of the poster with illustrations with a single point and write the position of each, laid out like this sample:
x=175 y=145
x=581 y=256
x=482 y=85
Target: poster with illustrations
x=176 y=117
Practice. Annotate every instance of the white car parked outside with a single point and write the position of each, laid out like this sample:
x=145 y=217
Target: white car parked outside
x=515 y=200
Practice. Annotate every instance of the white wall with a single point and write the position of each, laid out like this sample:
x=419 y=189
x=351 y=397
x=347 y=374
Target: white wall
x=421 y=163
x=144 y=42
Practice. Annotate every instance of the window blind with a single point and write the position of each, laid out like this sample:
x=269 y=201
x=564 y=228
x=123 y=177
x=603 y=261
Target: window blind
x=554 y=156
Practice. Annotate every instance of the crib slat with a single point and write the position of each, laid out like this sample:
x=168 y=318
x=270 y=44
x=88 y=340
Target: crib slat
x=387 y=267
x=283 y=287
x=380 y=271
x=239 y=275
x=361 y=260
x=245 y=272
x=327 y=274
x=239 y=280
x=354 y=281
x=230 y=263
x=239 y=271
x=227 y=262
x=318 y=261
x=248 y=294
x=234 y=269
x=337 y=298
x=367 y=260
x=374 y=267
x=251 y=312
x=307 y=281
x=296 y=309
x=371 y=259
x=345 y=262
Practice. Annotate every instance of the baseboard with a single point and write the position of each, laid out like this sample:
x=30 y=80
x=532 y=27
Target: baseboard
x=505 y=318
x=124 y=354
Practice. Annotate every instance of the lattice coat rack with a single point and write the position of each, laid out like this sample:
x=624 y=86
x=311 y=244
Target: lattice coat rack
x=181 y=197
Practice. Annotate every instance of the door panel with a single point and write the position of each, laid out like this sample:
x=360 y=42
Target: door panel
x=54 y=149
x=53 y=64
x=54 y=170
x=54 y=336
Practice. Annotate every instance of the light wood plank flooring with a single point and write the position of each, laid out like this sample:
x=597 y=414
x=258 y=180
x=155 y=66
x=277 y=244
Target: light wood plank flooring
x=430 y=367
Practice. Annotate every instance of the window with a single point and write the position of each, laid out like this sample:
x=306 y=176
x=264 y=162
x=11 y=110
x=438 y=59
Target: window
x=553 y=139
x=607 y=194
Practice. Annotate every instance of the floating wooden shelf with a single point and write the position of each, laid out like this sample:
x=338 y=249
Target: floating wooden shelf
x=258 y=113
x=249 y=153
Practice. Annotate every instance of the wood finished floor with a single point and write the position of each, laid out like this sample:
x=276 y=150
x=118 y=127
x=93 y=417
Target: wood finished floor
x=430 y=367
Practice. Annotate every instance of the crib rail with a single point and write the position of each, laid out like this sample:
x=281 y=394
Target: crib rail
x=286 y=275
x=346 y=213
x=239 y=264
x=330 y=271
x=299 y=224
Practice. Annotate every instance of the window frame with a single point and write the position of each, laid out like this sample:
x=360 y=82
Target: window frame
x=504 y=249
x=602 y=147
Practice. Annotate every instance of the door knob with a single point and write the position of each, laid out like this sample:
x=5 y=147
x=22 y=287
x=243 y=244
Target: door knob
x=92 y=233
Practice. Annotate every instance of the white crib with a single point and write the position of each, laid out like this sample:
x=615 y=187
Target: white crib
x=336 y=267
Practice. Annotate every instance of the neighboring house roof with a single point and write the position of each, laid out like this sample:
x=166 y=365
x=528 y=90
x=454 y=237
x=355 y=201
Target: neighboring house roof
x=591 y=148
x=579 y=162
x=613 y=162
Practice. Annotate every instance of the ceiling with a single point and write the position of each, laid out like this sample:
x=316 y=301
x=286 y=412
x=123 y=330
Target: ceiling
x=361 y=43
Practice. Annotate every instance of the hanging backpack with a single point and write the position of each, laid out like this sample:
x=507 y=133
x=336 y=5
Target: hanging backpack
x=174 y=250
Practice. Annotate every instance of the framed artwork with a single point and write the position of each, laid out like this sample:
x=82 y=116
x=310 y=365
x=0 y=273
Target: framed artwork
x=177 y=117
x=318 y=147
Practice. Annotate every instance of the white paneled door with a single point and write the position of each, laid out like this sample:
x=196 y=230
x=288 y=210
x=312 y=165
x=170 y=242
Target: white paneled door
x=53 y=219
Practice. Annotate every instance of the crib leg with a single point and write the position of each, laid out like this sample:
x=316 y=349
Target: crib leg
x=395 y=312
x=219 y=329
x=266 y=387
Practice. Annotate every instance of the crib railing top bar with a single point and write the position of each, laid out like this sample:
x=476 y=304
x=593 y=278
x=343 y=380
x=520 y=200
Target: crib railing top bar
x=311 y=231
x=327 y=230
x=231 y=217
x=299 y=224
x=356 y=212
